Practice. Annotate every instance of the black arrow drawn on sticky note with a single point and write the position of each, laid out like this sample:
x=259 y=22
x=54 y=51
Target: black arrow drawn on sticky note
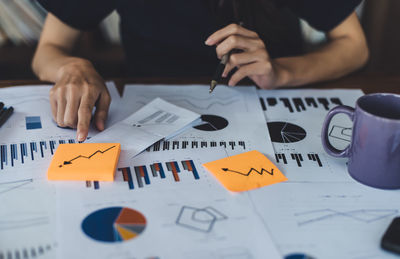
x=86 y=157
x=251 y=170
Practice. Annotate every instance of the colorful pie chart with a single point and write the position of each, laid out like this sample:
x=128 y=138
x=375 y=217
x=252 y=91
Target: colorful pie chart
x=114 y=224
x=298 y=256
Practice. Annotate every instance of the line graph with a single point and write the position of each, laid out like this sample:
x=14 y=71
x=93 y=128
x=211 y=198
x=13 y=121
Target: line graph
x=29 y=100
x=23 y=223
x=250 y=171
x=9 y=186
x=361 y=215
x=203 y=108
x=209 y=105
x=69 y=162
x=192 y=97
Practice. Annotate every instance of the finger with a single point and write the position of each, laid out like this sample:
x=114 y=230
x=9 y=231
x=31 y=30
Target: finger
x=240 y=43
x=228 y=69
x=55 y=96
x=84 y=115
x=53 y=104
x=61 y=103
x=102 y=106
x=257 y=68
x=71 y=109
x=232 y=29
x=244 y=58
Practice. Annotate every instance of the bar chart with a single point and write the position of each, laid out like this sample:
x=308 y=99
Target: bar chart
x=196 y=144
x=141 y=176
x=26 y=253
x=300 y=104
x=298 y=159
x=15 y=154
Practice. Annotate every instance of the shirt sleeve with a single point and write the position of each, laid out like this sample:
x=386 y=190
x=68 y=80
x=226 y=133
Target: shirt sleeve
x=80 y=14
x=323 y=15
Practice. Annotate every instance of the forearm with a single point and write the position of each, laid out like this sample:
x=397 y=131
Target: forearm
x=49 y=59
x=336 y=59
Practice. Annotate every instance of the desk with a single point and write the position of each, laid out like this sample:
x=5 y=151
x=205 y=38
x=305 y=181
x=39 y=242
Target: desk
x=294 y=212
x=369 y=82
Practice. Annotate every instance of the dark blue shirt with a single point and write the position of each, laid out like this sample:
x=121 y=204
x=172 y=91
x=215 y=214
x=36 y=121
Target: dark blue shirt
x=166 y=37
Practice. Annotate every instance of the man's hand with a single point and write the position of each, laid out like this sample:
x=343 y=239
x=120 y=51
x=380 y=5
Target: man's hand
x=345 y=51
x=78 y=89
x=253 y=61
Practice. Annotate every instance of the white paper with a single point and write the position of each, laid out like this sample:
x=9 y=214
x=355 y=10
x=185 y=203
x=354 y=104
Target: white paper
x=295 y=119
x=320 y=211
x=27 y=199
x=155 y=121
x=119 y=108
x=328 y=220
x=233 y=118
x=25 y=144
x=189 y=218
x=27 y=218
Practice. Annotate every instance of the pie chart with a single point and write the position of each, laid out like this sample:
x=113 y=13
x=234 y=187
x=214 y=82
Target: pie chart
x=298 y=256
x=284 y=132
x=212 y=123
x=114 y=224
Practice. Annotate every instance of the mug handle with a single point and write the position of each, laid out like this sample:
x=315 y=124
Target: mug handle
x=331 y=150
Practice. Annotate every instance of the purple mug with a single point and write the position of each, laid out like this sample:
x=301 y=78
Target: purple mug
x=374 y=151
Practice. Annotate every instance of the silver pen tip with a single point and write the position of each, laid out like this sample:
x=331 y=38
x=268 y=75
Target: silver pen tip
x=213 y=85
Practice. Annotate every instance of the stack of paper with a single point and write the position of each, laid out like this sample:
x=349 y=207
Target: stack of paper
x=164 y=204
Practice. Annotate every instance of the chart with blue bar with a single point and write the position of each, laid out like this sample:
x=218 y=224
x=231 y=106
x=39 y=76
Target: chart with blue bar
x=141 y=176
x=33 y=122
x=15 y=154
x=27 y=252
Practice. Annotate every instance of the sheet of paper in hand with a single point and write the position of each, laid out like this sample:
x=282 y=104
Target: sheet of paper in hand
x=156 y=121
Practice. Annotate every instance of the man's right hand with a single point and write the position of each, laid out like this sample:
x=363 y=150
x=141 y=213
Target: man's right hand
x=77 y=90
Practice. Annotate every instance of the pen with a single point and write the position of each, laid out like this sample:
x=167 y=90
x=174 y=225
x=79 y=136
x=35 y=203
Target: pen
x=220 y=69
x=2 y=111
x=5 y=115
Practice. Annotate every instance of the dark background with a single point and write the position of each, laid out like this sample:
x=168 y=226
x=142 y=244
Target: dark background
x=380 y=19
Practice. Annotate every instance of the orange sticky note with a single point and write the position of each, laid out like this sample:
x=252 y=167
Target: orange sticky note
x=245 y=171
x=84 y=162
